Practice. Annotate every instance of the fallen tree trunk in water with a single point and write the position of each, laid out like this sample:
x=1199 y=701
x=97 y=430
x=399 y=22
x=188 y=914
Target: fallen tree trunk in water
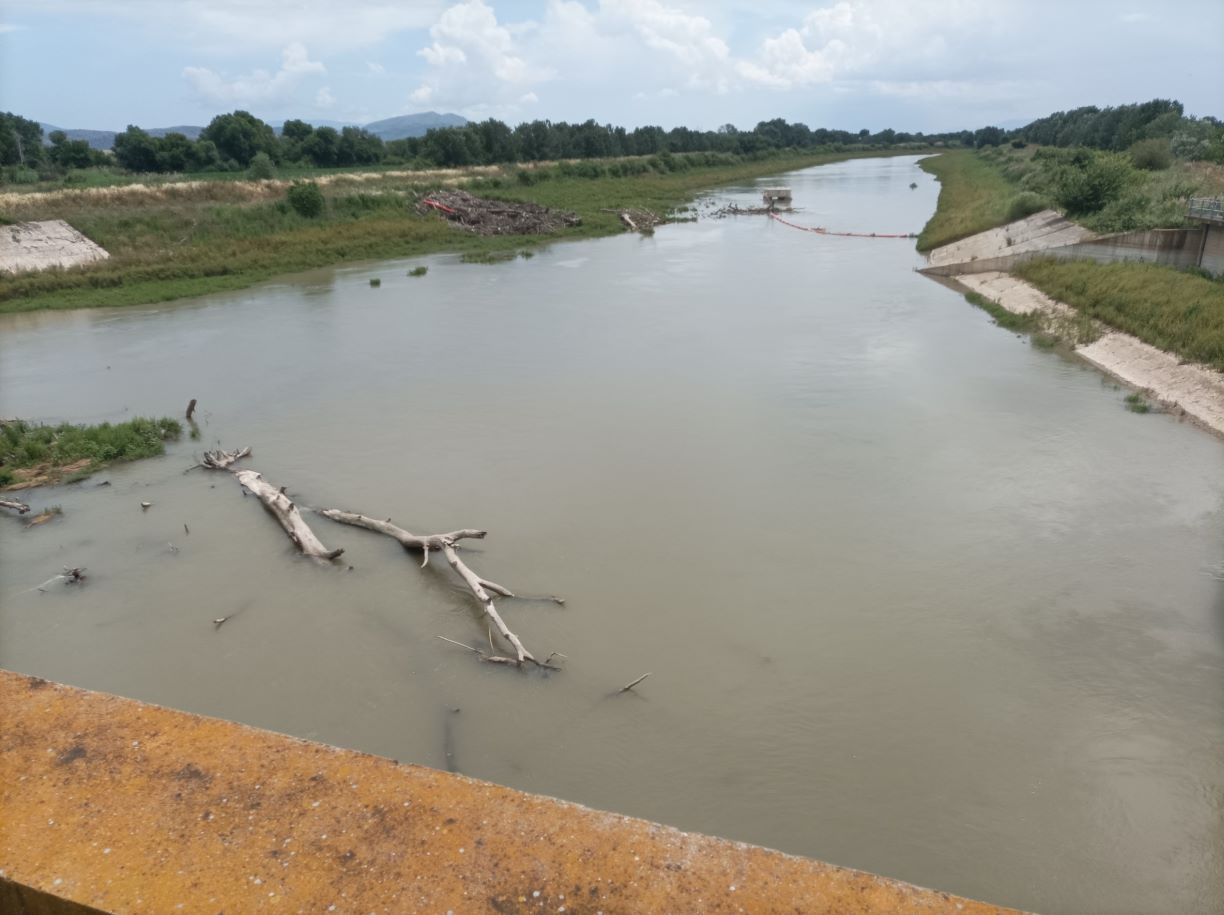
x=221 y=460
x=20 y=507
x=282 y=507
x=445 y=544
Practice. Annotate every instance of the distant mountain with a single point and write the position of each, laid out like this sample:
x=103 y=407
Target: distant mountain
x=413 y=125
x=105 y=139
x=187 y=130
x=408 y=125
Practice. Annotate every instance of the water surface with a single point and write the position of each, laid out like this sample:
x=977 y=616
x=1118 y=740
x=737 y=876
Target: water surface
x=915 y=597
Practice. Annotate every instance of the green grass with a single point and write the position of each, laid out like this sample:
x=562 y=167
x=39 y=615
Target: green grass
x=43 y=451
x=178 y=241
x=1020 y=323
x=1173 y=310
x=1137 y=404
x=974 y=195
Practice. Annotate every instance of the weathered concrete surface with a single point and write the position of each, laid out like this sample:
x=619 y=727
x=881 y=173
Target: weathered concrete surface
x=1211 y=257
x=135 y=808
x=39 y=245
x=1194 y=389
x=1049 y=235
x=1038 y=232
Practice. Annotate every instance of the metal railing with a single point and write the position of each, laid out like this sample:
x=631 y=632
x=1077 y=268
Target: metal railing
x=1207 y=208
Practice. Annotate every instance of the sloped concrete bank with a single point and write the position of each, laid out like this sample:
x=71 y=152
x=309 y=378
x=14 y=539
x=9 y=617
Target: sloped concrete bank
x=40 y=245
x=979 y=263
x=115 y=805
x=1049 y=234
x=1194 y=389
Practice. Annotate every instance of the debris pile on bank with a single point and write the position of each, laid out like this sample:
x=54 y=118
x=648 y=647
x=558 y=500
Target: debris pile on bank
x=496 y=217
x=732 y=209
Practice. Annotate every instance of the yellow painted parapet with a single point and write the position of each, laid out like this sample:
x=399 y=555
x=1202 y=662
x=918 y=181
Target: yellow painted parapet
x=128 y=807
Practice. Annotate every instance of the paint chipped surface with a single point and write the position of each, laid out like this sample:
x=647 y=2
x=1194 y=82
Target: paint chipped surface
x=126 y=806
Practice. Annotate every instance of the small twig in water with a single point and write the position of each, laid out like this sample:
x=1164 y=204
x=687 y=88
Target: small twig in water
x=625 y=689
x=460 y=644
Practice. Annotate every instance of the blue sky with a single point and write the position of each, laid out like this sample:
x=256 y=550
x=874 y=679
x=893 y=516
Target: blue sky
x=907 y=64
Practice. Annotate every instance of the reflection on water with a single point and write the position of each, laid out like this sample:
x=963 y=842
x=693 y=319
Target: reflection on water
x=916 y=597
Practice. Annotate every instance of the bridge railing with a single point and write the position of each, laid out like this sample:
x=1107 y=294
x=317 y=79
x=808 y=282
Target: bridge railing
x=1210 y=209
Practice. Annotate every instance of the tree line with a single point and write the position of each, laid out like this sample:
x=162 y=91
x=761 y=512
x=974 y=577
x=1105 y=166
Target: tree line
x=240 y=141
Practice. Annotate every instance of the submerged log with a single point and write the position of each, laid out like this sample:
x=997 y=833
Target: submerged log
x=445 y=544
x=20 y=507
x=283 y=509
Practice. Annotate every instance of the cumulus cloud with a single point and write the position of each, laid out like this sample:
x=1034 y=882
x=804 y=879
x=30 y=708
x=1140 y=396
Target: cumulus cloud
x=475 y=61
x=879 y=46
x=324 y=98
x=259 y=85
x=898 y=38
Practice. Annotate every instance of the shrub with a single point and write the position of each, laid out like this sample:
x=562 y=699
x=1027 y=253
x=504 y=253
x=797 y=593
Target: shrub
x=261 y=167
x=1026 y=203
x=418 y=271
x=306 y=199
x=1153 y=155
x=1088 y=182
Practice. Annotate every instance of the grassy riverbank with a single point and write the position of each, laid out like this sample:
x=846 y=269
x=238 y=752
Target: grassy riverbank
x=32 y=454
x=1105 y=192
x=1173 y=310
x=199 y=237
x=973 y=197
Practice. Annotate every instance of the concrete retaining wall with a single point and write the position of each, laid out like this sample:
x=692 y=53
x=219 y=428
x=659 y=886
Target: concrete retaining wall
x=1171 y=247
x=1213 y=250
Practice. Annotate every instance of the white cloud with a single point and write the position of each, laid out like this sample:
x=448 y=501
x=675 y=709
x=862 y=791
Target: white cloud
x=688 y=40
x=375 y=68
x=475 y=62
x=259 y=85
x=324 y=98
x=6 y=27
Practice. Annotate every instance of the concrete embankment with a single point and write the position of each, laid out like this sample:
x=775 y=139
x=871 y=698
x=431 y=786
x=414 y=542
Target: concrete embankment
x=40 y=245
x=1048 y=234
x=115 y=805
x=979 y=263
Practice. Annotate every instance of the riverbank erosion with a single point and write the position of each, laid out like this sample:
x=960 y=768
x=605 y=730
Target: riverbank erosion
x=115 y=805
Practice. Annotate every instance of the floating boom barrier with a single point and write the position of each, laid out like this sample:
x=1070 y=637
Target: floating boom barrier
x=820 y=230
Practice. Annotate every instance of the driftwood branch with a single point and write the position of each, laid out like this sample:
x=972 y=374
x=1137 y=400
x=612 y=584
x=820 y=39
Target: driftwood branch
x=222 y=460
x=445 y=544
x=20 y=507
x=282 y=507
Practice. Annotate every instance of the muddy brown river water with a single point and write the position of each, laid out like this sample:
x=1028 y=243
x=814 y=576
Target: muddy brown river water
x=916 y=597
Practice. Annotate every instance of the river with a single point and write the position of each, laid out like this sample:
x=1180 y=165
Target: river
x=915 y=596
